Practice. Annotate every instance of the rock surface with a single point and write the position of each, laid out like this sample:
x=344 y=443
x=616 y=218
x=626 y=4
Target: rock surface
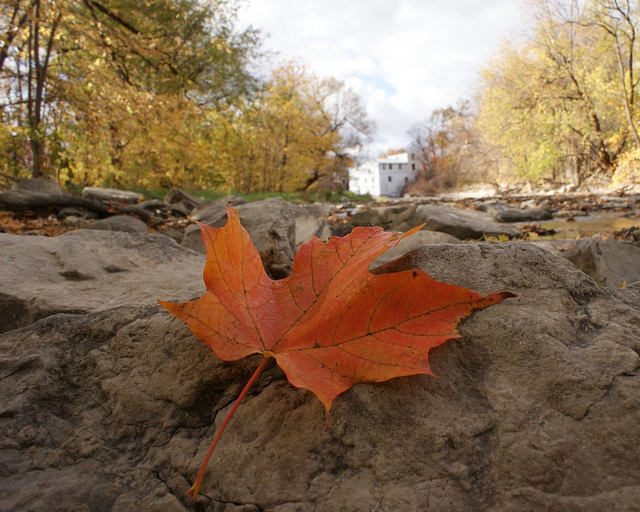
x=108 y=195
x=124 y=223
x=40 y=185
x=90 y=270
x=525 y=215
x=271 y=224
x=463 y=224
x=612 y=264
x=536 y=407
x=390 y=218
x=309 y=226
x=412 y=242
x=310 y=221
x=210 y=211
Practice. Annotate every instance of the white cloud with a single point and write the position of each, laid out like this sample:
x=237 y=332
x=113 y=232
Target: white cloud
x=404 y=58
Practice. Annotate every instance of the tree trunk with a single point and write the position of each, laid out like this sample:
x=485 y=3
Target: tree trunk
x=37 y=156
x=37 y=77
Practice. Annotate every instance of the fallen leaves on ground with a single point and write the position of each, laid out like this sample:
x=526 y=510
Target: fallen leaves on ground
x=31 y=225
x=535 y=231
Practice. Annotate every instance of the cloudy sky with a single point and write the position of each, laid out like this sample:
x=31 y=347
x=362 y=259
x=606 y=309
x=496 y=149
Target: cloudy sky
x=404 y=58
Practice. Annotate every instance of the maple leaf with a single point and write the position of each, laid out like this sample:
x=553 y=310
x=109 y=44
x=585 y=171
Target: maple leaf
x=331 y=324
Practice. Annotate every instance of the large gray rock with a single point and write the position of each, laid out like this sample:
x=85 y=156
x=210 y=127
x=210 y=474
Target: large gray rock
x=88 y=270
x=40 y=185
x=492 y=207
x=308 y=227
x=391 y=218
x=270 y=223
x=310 y=222
x=524 y=215
x=210 y=211
x=125 y=223
x=610 y=264
x=536 y=407
x=461 y=223
x=412 y=242
x=111 y=195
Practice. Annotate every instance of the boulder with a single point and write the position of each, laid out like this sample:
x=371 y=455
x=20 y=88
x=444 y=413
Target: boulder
x=111 y=195
x=90 y=270
x=535 y=407
x=612 y=264
x=271 y=225
x=207 y=212
x=538 y=204
x=310 y=222
x=463 y=224
x=324 y=209
x=391 y=218
x=492 y=207
x=124 y=223
x=175 y=233
x=529 y=203
x=311 y=210
x=526 y=215
x=39 y=185
x=342 y=230
x=210 y=211
x=556 y=246
x=409 y=243
x=308 y=227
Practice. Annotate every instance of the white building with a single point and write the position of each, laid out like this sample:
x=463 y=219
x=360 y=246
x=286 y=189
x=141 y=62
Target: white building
x=384 y=176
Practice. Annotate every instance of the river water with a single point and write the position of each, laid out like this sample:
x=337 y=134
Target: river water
x=581 y=227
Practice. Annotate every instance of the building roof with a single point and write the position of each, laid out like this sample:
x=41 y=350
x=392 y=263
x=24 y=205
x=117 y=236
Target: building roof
x=400 y=158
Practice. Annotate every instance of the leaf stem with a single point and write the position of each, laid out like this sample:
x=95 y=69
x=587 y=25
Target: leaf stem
x=195 y=488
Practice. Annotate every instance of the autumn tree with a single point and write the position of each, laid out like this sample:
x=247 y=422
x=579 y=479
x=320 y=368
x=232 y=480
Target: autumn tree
x=299 y=130
x=450 y=149
x=561 y=105
x=29 y=31
x=68 y=66
x=391 y=152
x=619 y=20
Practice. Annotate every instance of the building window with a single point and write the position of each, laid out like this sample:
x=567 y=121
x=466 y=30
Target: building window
x=390 y=166
x=406 y=179
x=413 y=167
x=390 y=179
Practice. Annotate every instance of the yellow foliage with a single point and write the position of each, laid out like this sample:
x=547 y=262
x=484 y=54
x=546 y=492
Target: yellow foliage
x=286 y=138
x=555 y=104
x=628 y=168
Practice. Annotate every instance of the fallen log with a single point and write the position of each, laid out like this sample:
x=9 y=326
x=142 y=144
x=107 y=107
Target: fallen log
x=20 y=201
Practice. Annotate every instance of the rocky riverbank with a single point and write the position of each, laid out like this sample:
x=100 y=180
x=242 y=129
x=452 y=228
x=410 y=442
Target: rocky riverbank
x=560 y=224
x=108 y=403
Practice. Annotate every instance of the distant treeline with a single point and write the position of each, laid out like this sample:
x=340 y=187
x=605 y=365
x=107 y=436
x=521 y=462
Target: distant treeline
x=160 y=94
x=558 y=105
x=167 y=93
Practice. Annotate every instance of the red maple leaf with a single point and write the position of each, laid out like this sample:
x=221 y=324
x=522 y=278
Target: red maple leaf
x=331 y=324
